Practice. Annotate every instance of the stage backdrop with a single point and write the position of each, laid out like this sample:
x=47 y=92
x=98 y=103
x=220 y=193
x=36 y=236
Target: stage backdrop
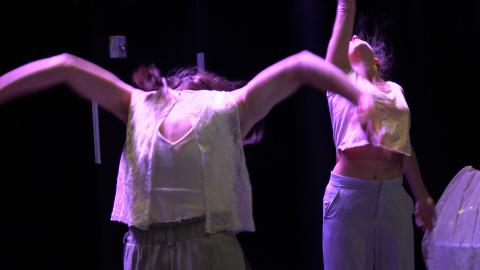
x=56 y=201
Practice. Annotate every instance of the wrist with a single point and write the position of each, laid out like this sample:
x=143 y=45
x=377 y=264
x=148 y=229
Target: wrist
x=425 y=199
x=345 y=4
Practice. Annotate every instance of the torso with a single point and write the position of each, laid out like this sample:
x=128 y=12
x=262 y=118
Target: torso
x=176 y=124
x=165 y=155
x=369 y=162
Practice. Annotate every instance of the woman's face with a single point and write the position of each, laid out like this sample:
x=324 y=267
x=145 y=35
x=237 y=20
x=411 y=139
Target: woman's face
x=360 y=51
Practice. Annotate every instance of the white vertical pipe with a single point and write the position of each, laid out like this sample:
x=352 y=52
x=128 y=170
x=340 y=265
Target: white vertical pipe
x=96 y=133
x=201 y=62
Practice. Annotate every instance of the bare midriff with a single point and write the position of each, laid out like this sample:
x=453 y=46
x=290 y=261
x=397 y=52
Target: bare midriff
x=369 y=162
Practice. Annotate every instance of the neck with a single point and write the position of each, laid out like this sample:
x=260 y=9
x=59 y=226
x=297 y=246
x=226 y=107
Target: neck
x=370 y=72
x=168 y=95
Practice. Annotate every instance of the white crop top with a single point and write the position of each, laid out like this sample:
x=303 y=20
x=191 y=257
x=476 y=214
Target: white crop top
x=390 y=126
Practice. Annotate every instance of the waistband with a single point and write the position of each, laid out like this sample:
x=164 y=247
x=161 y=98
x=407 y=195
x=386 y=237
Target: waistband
x=179 y=223
x=168 y=232
x=365 y=184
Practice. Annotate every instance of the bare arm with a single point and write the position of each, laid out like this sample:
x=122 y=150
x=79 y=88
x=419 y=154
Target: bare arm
x=84 y=78
x=283 y=78
x=424 y=206
x=337 y=51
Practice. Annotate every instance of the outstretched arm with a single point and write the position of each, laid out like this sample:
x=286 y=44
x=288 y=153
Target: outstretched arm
x=337 y=51
x=424 y=205
x=283 y=78
x=84 y=78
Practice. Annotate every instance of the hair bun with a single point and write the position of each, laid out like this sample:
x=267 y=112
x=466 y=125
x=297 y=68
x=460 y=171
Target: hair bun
x=147 y=77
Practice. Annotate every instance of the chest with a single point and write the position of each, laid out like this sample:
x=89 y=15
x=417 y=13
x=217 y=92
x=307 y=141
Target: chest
x=176 y=123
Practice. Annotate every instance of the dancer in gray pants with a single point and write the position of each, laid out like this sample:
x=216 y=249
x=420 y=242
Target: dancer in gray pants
x=367 y=223
x=367 y=214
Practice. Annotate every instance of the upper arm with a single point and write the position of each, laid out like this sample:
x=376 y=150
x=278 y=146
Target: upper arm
x=265 y=90
x=97 y=84
x=84 y=78
x=282 y=79
x=337 y=51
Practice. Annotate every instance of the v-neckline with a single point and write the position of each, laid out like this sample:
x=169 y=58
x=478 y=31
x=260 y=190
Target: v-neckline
x=171 y=105
x=173 y=143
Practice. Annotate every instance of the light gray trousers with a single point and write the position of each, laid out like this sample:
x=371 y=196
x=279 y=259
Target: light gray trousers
x=182 y=246
x=367 y=224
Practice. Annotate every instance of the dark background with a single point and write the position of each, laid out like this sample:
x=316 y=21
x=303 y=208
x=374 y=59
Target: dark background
x=55 y=201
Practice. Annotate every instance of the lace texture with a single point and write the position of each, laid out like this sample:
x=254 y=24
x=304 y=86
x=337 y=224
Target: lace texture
x=454 y=243
x=227 y=190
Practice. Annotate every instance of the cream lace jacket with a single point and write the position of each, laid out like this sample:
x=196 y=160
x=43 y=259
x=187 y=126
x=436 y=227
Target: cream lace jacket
x=226 y=184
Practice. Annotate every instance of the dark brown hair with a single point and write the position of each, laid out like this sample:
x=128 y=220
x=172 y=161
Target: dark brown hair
x=149 y=78
x=377 y=38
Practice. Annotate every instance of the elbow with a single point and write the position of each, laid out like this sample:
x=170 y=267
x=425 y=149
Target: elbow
x=302 y=60
x=64 y=61
x=298 y=66
x=63 y=64
x=304 y=65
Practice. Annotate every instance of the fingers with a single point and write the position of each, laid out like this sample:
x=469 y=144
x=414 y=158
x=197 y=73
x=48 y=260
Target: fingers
x=365 y=108
x=425 y=219
x=425 y=214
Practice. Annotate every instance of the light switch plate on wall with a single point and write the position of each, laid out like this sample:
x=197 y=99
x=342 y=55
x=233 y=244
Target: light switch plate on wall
x=118 y=47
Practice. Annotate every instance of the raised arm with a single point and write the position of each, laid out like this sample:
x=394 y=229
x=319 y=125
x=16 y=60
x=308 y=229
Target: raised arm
x=337 y=51
x=283 y=78
x=84 y=78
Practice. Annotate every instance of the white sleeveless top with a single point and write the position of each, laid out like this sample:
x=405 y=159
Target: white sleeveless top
x=203 y=173
x=390 y=126
x=177 y=190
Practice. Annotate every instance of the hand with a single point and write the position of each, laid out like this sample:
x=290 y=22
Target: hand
x=425 y=214
x=366 y=108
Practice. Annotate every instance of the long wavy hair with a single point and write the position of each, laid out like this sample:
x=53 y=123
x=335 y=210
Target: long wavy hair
x=149 y=78
x=378 y=40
